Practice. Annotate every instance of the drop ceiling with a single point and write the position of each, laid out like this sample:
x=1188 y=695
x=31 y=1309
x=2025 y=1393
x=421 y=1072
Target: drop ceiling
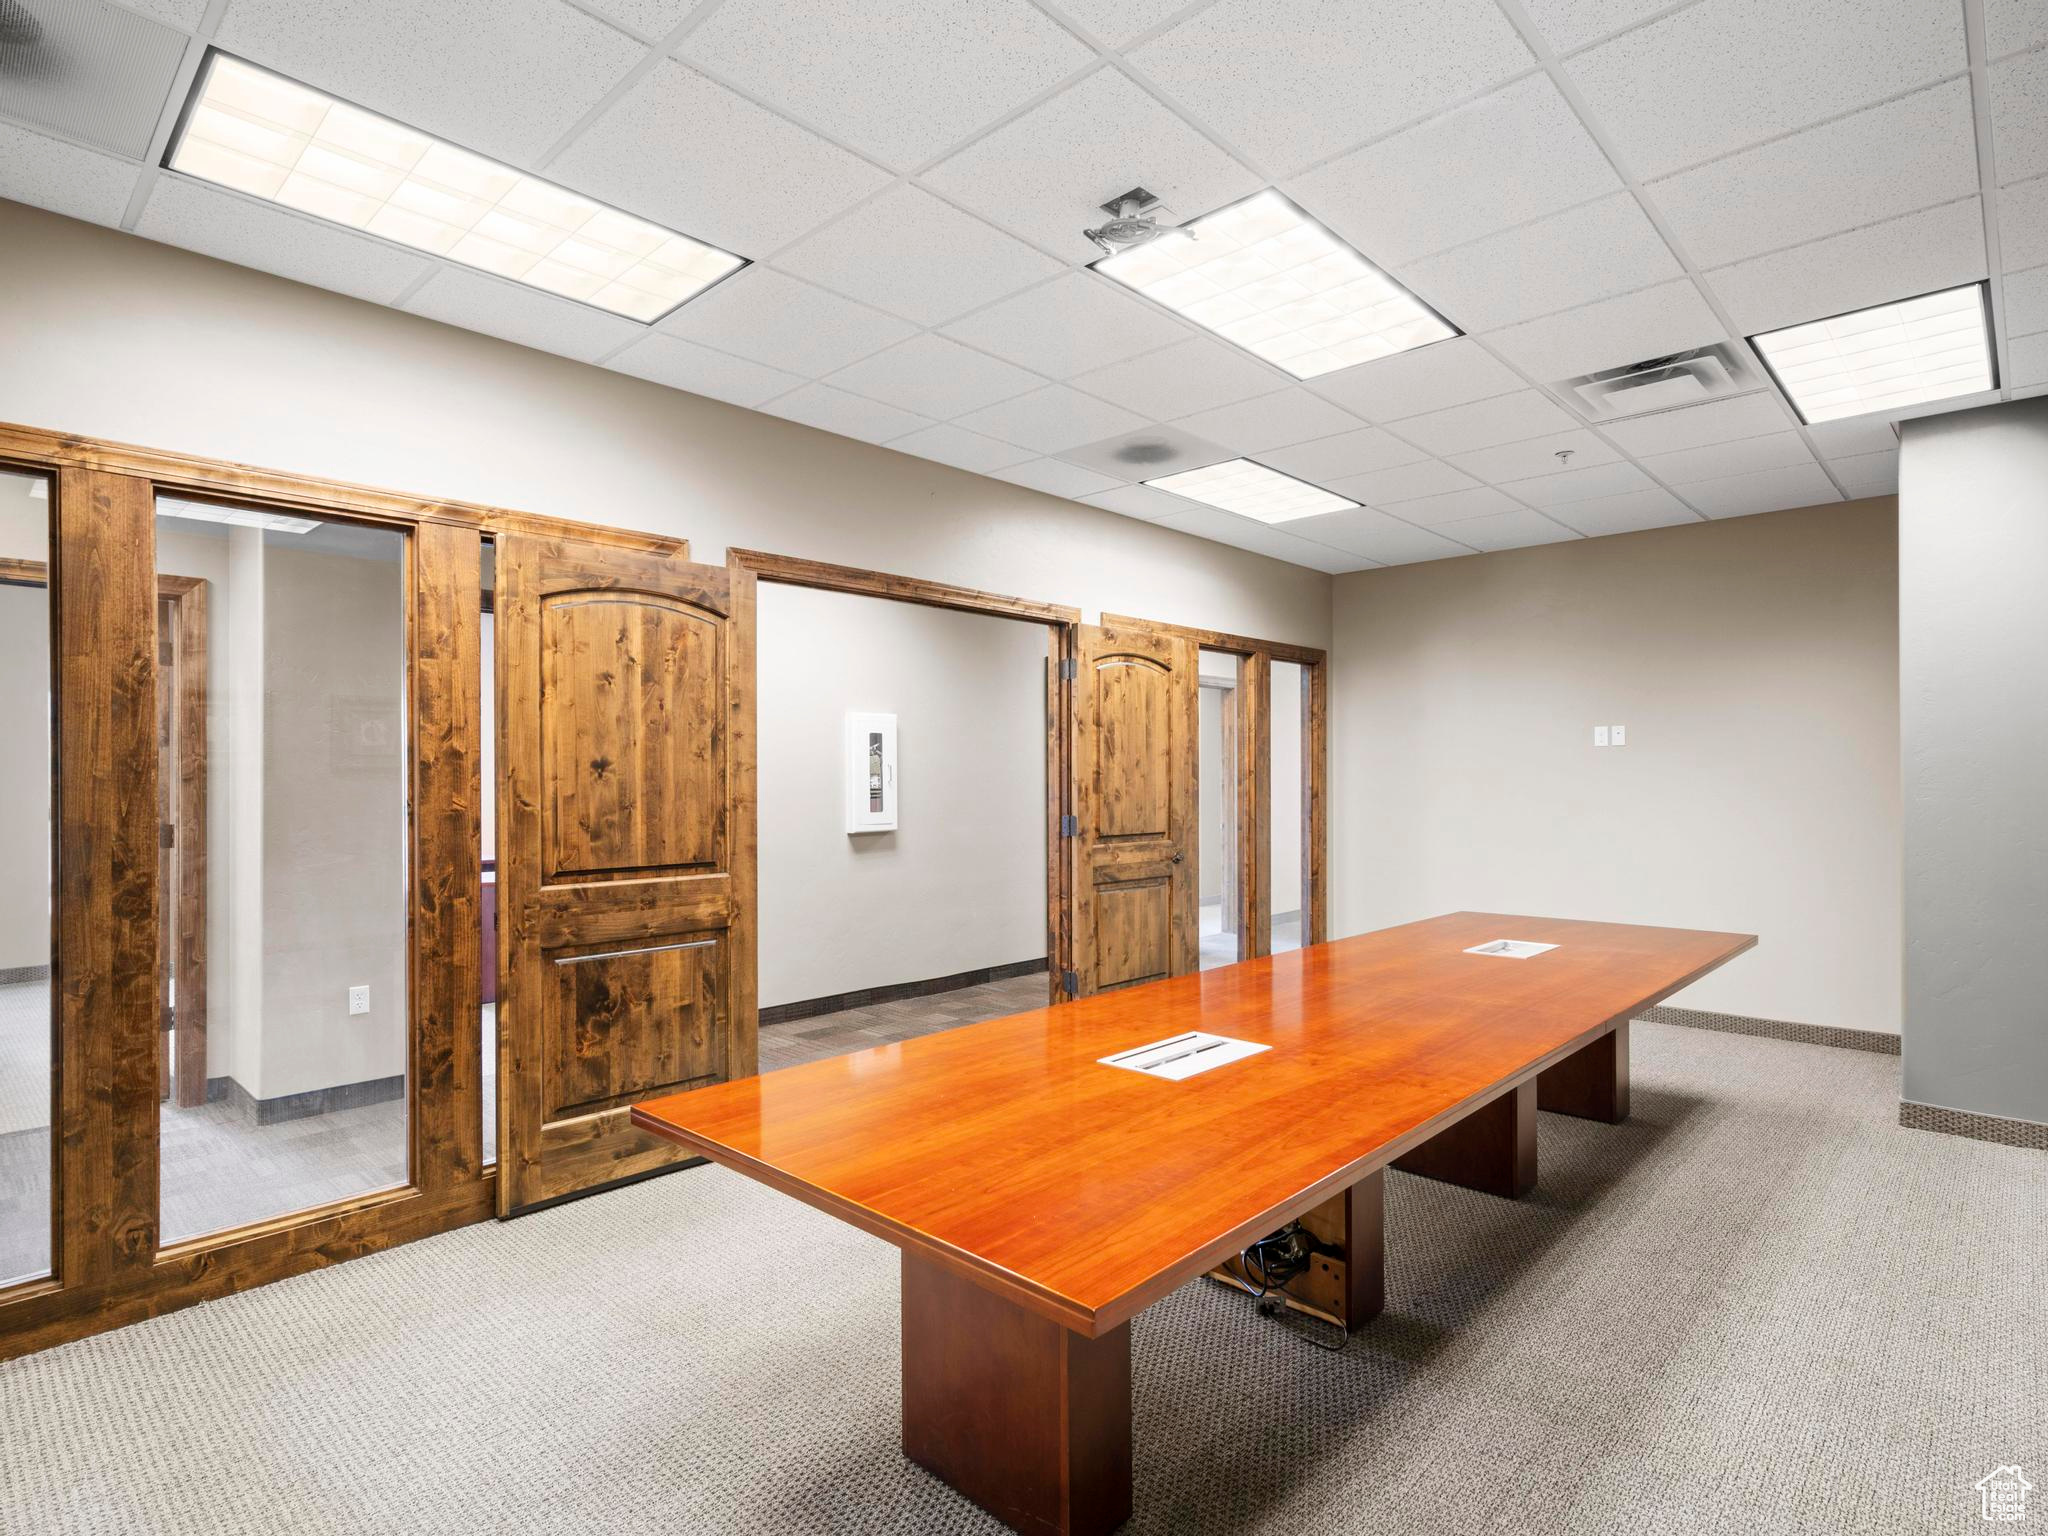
x=1578 y=185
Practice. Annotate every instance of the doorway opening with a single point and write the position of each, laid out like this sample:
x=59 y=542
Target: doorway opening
x=1220 y=854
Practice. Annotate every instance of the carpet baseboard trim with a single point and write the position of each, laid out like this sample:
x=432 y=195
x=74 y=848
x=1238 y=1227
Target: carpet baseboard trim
x=1964 y=1122
x=21 y=975
x=1874 y=1040
x=299 y=1106
x=814 y=1007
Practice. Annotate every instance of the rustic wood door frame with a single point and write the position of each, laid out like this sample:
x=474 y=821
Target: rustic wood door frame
x=1252 y=767
x=108 y=1267
x=1061 y=624
x=183 y=646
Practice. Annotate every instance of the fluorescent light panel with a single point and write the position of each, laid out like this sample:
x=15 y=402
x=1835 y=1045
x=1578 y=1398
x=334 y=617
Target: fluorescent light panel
x=1263 y=274
x=1252 y=490
x=273 y=138
x=240 y=517
x=1934 y=347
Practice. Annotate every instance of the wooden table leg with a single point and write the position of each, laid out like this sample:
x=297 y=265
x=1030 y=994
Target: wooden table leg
x=1365 y=1250
x=1492 y=1150
x=1030 y=1420
x=1592 y=1082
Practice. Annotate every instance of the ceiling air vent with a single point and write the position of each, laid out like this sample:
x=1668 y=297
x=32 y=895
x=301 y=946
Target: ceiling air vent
x=1660 y=383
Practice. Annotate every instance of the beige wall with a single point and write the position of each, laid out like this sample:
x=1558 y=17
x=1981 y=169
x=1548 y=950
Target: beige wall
x=961 y=883
x=24 y=777
x=149 y=344
x=1755 y=664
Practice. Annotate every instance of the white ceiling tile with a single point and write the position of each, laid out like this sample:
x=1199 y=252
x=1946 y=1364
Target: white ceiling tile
x=63 y=178
x=1278 y=420
x=1261 y=539
x=948 y=444
x=1502 y=419
x=652 y=19
x=1672 y=317
x=514 y=312
x=1716 y=76
x=917 y=256
x=1196 y=375
x=1763 y=490
x=1559 y=262
x=686 y=152
x=1717 y=421
x=2026 y=302
x=2019 y=115
x=1838 y=176
x=1516 y=529
x=1294 y=81
x=1868 y=474
x=1571 y=24
x=1741 y=456
x=180 y=13
x=1403 y=482
x=834 y=410
x=1348 y=453
x=1043 y=175
x=902 y=82
x=271 y=239
x=2023 y=224
x=935 y=377
x=684 y=365
x=1068 y=326
x=1572 y=485
x=1056 y=477
x=2010 y=25
x=1480 y=501
x=1504 y=159
x=761 y=314
x=1140 y=501
x=2027 y=360
x=1378 y=537
x=1117 y=22
x=1052 y=419
x=1426 y=379
x=502 y=77
x=1536 y=456
x=1854 y=436
x=1938 y=248
x=1626 y=513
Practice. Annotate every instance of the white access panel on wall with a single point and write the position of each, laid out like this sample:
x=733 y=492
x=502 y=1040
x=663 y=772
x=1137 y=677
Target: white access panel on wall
x=870 y=773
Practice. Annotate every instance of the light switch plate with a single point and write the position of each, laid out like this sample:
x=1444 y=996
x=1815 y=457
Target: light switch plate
x=1618 y=735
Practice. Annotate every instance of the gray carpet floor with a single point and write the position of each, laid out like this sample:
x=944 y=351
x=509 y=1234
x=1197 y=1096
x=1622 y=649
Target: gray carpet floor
x=1760 y=1306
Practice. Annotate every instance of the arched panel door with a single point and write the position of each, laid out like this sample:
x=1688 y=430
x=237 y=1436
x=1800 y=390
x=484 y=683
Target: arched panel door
x=1134 y=850
x=625 y=853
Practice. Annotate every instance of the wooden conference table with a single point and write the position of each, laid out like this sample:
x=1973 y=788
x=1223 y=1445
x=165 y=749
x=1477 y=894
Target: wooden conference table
x=1042 y=1197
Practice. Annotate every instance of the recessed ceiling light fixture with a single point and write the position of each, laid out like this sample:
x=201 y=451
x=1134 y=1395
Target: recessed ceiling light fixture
x=240 y=517
x=1884 y=358
x=1252 y=490
x=1263 y=274
x=259 y=133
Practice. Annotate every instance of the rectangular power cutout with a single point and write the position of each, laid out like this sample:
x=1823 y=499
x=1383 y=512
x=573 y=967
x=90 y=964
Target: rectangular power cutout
x=1183 y=1056
x=1509 y=949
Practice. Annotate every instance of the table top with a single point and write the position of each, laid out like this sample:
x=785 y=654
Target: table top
x=1006 y=1151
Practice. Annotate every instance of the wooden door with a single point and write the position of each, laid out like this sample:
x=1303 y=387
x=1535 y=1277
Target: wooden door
x=1135 y=704
x=625 y=852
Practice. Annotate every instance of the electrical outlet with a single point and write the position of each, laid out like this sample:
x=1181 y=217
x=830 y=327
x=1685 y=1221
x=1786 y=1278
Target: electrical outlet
x=1599 y=735
x=358 y=1000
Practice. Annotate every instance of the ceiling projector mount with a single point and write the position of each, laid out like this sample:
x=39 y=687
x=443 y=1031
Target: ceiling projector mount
x=1133 y=221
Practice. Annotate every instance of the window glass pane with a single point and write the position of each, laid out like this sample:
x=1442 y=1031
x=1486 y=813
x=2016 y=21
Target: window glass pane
x=25 y=841
x=1288 y=900
x=282 y=714
x=1216 y=778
